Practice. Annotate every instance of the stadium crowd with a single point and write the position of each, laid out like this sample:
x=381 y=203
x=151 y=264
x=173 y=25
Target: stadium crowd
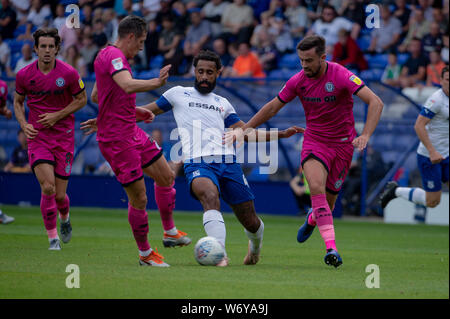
x=253 y=38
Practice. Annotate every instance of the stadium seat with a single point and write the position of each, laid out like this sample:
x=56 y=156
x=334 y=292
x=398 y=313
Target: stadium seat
x=156 y=62
x=377 y=61
x=289 y=61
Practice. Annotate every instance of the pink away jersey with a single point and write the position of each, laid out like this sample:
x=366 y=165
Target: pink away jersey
x=327 y=101
x=116 y=118
x=48 y=93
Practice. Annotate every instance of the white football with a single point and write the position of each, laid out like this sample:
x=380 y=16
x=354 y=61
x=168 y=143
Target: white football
x=208 y=251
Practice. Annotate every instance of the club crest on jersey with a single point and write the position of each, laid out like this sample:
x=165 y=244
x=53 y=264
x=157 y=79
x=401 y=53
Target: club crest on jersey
x=60 y=82
x=355 y=79
x=329 y=86
x=338 y=184
x=117 y=64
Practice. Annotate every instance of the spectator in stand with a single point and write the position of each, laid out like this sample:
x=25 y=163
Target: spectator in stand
x=220 y=47
x=151 y=42
x=8 y=20
x=212 y=12
x=99 y=36
x=39 y=12
x=418 y=27
x=27 y=58
x=265 y=48
x=391 y=74
x=111 y=24
x=434 y=69
x=19 y=158
x=5 y=55
x=414 y=69
x=150 y=9
x=166 y=9
x=73 y=57
x=444 y=51
x=169 y=44
x=246 y=64
x=425 y=7
x=89 y=51
x=402 y=13
x=197 y=36
x=181 y=15
x=69 y=36
x=385 y=38
x=441 y=19
x=353 y=10
x=87 y=16
x=275 y=9
x=347 y=52
x=131 y=9
x=284 y=42
x=433 y=40
x=237 y=22
x=297 y=17
x=328 y=26
x=60 y=19
x=21 y=7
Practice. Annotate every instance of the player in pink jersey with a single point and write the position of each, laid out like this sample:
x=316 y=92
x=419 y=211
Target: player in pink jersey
x=325 y=90
x=54 y=91
x=126 y=147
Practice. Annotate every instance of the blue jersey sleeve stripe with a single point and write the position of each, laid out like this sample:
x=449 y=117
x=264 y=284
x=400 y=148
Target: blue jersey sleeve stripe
x=163 y=104
x=427 y=113
x=231 y=119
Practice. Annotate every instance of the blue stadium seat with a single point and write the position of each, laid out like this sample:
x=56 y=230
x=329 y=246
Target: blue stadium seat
x=401 y=58
x=377 y=61
x=156 y=62
x=372 y=75
x=364 y=41
x=289 y=61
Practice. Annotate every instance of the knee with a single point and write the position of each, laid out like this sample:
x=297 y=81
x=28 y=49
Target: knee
x=140 y=200
x=48 y=188
x=316 y=187
x=167 y=179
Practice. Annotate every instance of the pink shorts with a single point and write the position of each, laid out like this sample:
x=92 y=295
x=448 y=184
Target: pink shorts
x=336 y=157
x=128 y=157
x=57 y=153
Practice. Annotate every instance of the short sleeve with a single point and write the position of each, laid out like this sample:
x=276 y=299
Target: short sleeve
x=20 y=87
x=350 y=81
x=230 y=117
x=76 y=85
x=115 y=62
x=431 y=107
x=288 y=92
x=168 y=99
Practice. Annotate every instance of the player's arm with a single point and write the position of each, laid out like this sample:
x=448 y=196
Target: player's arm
x=49 y=119
x=262 y=135
x=19 y=112
x=419 y=127
x=94 y=93
x=373 y=116
x=130 y=85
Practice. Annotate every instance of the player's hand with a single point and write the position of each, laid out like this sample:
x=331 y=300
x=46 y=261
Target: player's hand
x=291 y=131
x=234 y=135
x=436 y=157
x=48 y=119
x=5 y=112
x=361 y=142
x=30 y=131
x=143 y=114
x=89 y=126
x=164 y=74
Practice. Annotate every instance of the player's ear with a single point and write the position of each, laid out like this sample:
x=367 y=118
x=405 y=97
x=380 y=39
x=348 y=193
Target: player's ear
x=219 y=72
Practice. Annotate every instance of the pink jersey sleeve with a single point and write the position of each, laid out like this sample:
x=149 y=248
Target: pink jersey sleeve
x=114 y=62
x=288 y=92
x=76 y=85
x=350 y=81
x=20 y=87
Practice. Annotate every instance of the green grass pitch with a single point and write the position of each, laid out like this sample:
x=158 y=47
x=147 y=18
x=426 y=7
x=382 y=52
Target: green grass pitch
x=413 y=260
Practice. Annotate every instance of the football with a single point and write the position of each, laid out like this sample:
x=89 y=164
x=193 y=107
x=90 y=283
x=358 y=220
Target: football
x=208 y=251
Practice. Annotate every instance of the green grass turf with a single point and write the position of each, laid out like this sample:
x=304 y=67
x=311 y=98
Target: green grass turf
x=413 y=260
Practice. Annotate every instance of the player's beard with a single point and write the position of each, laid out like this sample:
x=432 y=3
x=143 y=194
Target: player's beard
x=202 y=89
x=314 y=74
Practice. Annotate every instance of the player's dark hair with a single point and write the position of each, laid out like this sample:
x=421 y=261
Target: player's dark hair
x=444 y=70
x=312 y=41
x=208 y=56
x=132 y=24
x=47 y=33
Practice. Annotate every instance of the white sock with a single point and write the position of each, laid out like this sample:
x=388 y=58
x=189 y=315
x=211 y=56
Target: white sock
x=145 y=253
x=256 y=238
x=415 y=195
x=214 y=225
x=172 y=231
x=63 y=220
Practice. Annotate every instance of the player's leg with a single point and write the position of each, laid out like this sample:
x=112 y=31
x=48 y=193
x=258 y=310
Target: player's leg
x=45 y=175
x=160 y=171
x=63 y=205
x=138 y=219
x=253 y=227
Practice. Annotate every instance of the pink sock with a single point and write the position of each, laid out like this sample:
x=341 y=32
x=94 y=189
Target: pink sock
x=312 y=220
x=49 y=214
x=165 y=199
x=324 y=220
x=138 y=220
x=63 y=208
